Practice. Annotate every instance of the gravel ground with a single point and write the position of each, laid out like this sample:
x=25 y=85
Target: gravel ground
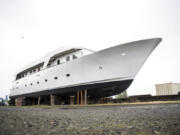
x=160 y=119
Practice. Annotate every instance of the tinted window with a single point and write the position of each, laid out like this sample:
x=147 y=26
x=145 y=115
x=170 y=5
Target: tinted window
x=67 y=58
x=58 y=62
x=74 y=57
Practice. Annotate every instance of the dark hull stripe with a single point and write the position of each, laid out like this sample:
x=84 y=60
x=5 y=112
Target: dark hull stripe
x=97 y=90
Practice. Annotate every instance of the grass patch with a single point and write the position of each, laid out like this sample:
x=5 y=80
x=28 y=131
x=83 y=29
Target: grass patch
x=96 y=105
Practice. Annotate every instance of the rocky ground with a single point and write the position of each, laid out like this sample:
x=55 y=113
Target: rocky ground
x=159 y=119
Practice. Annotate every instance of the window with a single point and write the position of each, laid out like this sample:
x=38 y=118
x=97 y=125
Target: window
x=18 y=76
x=74 y=56
x=45 y=80
x=55 y=78
x=37 y=82
x=67 y=58
x=58 y=62
x=25 y=85
x=67 y=75
x=31 y=84
x=49 y=64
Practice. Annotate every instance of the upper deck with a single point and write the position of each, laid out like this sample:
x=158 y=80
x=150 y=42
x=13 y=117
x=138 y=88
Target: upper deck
x=57 y=57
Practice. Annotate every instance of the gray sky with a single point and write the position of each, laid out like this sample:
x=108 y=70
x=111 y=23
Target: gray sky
x=96 y=24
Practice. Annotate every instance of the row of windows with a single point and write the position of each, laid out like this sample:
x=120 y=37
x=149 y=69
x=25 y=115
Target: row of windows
x=39 y=68
x=29 y=72
x=58 y=61
x=73 y=57
x=46 y=80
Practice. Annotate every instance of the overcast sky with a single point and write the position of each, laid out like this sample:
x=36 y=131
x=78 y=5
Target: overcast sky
x=29 y=29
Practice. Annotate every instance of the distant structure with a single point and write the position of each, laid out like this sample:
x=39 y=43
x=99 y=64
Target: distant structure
x=7 y=97
x=1 y=101
x=167 y=89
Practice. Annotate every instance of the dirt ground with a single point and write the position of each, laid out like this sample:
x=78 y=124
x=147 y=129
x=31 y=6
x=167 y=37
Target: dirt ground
x=145 y=119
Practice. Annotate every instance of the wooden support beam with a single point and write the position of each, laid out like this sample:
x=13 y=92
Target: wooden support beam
x=81 y=97
x=85 y=96
x=39 y=100
x=52 y=98
x=72 y=100
x=19 y=101
x=78 y=97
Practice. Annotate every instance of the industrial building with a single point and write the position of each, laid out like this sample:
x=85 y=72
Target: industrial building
x=167 y=89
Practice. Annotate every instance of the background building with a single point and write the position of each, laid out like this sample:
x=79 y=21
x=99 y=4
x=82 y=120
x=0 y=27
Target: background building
x=167 y=89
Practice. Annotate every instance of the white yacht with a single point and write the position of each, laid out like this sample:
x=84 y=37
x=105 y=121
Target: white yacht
x=66 y=70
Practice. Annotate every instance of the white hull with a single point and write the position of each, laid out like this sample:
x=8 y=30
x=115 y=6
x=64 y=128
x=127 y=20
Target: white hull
x=117 y=63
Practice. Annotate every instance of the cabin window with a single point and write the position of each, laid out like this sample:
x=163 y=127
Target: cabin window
x=68 y=58
x=58 y=62
x=25 y=85
x=45 y=80
x=29 y=71
x=49 y=64
x=55 y=78
x=37 y=82
x=17 y=76
x=67 y=75
x=74 y=56
x=31 y=84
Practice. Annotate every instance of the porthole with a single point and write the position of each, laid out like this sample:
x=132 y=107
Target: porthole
x=55 y=78
x=37 y=82
x=31 y=84
x=100 y=67
x=45 y=80
x=67 y=75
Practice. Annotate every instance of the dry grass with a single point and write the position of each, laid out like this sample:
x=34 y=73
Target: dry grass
x=108 y=104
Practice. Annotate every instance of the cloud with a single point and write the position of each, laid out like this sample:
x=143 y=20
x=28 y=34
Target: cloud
x=47 y=25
